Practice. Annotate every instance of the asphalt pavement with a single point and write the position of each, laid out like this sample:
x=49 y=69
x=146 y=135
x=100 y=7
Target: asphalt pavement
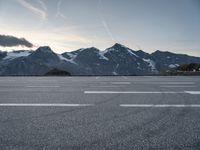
x=99 y=113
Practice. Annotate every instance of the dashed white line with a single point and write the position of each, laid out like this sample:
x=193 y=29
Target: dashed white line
x=178 y=86
x=160 y=105
x=168 y=83
x=120 y=82
x=106 y=86
x=179 y=82
x=193 y=92
x=42 y=86
x=131 y=92
x=7 y=80
x=42 y=105
x=87 y=105
x=142 y=92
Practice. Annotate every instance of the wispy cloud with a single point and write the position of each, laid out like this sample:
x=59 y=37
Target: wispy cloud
x=105 y=25
x=42 y=4
x=59 y=13
x=104 y=22
x=41 y=12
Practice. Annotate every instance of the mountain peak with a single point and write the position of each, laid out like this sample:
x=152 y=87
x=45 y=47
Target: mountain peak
x=159 y=51
x=119 y=45
x=89 y=50
x=44 y=52
x=120 y=50
x=44 y=49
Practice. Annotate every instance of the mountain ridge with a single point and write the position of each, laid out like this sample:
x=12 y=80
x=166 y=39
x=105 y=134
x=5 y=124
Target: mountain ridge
x=115 y=60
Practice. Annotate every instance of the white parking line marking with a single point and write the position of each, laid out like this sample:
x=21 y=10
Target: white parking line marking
x=193 y=92
x=120 y=82
x=7 y=80
x=172 y=83
x=177 y=86
x=131 y=92
x=106 y=86
x=42 y=86
x=160 y=105
x=42 y=105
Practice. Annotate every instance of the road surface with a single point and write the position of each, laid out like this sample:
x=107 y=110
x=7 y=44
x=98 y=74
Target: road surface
x=97 y=113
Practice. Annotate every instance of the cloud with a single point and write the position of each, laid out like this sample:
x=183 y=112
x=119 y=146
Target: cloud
x=38 y=11
x=42 y=4
x=10 y=41
x=59 y=13
x=104 y=23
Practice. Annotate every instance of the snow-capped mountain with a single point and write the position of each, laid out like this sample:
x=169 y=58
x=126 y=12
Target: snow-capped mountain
x=14 y=54
x=166 y=60
x=116 y=60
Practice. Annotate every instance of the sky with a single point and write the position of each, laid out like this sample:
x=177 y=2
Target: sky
x=67 y=25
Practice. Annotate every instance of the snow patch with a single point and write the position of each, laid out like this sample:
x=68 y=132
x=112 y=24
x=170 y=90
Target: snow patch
x=101 y=54
x=138 y=65
x=115 y=73
x=62 y=57
x=16 y=54
x=173 y=65
x=72 y=56
x=112 y=49
x=65 y=59
x=130 y=51
x=117 y=66
x=151 y=63
x=107 y=50
x=81 y=49
x=123 y=46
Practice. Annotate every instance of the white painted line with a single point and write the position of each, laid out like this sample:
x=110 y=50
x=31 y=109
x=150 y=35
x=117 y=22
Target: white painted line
x=42 y=86
x=172 y=83
x=42 y=105
x=131 y=92
x=178 y=86
x=106 y=86
x=160 y=105
x=7 y=80
x=120 y=82
x=193 y=92
x=45 y=80
x=142 y=92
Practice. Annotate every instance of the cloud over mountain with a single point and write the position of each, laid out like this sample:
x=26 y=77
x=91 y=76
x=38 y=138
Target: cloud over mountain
x=10 y=41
